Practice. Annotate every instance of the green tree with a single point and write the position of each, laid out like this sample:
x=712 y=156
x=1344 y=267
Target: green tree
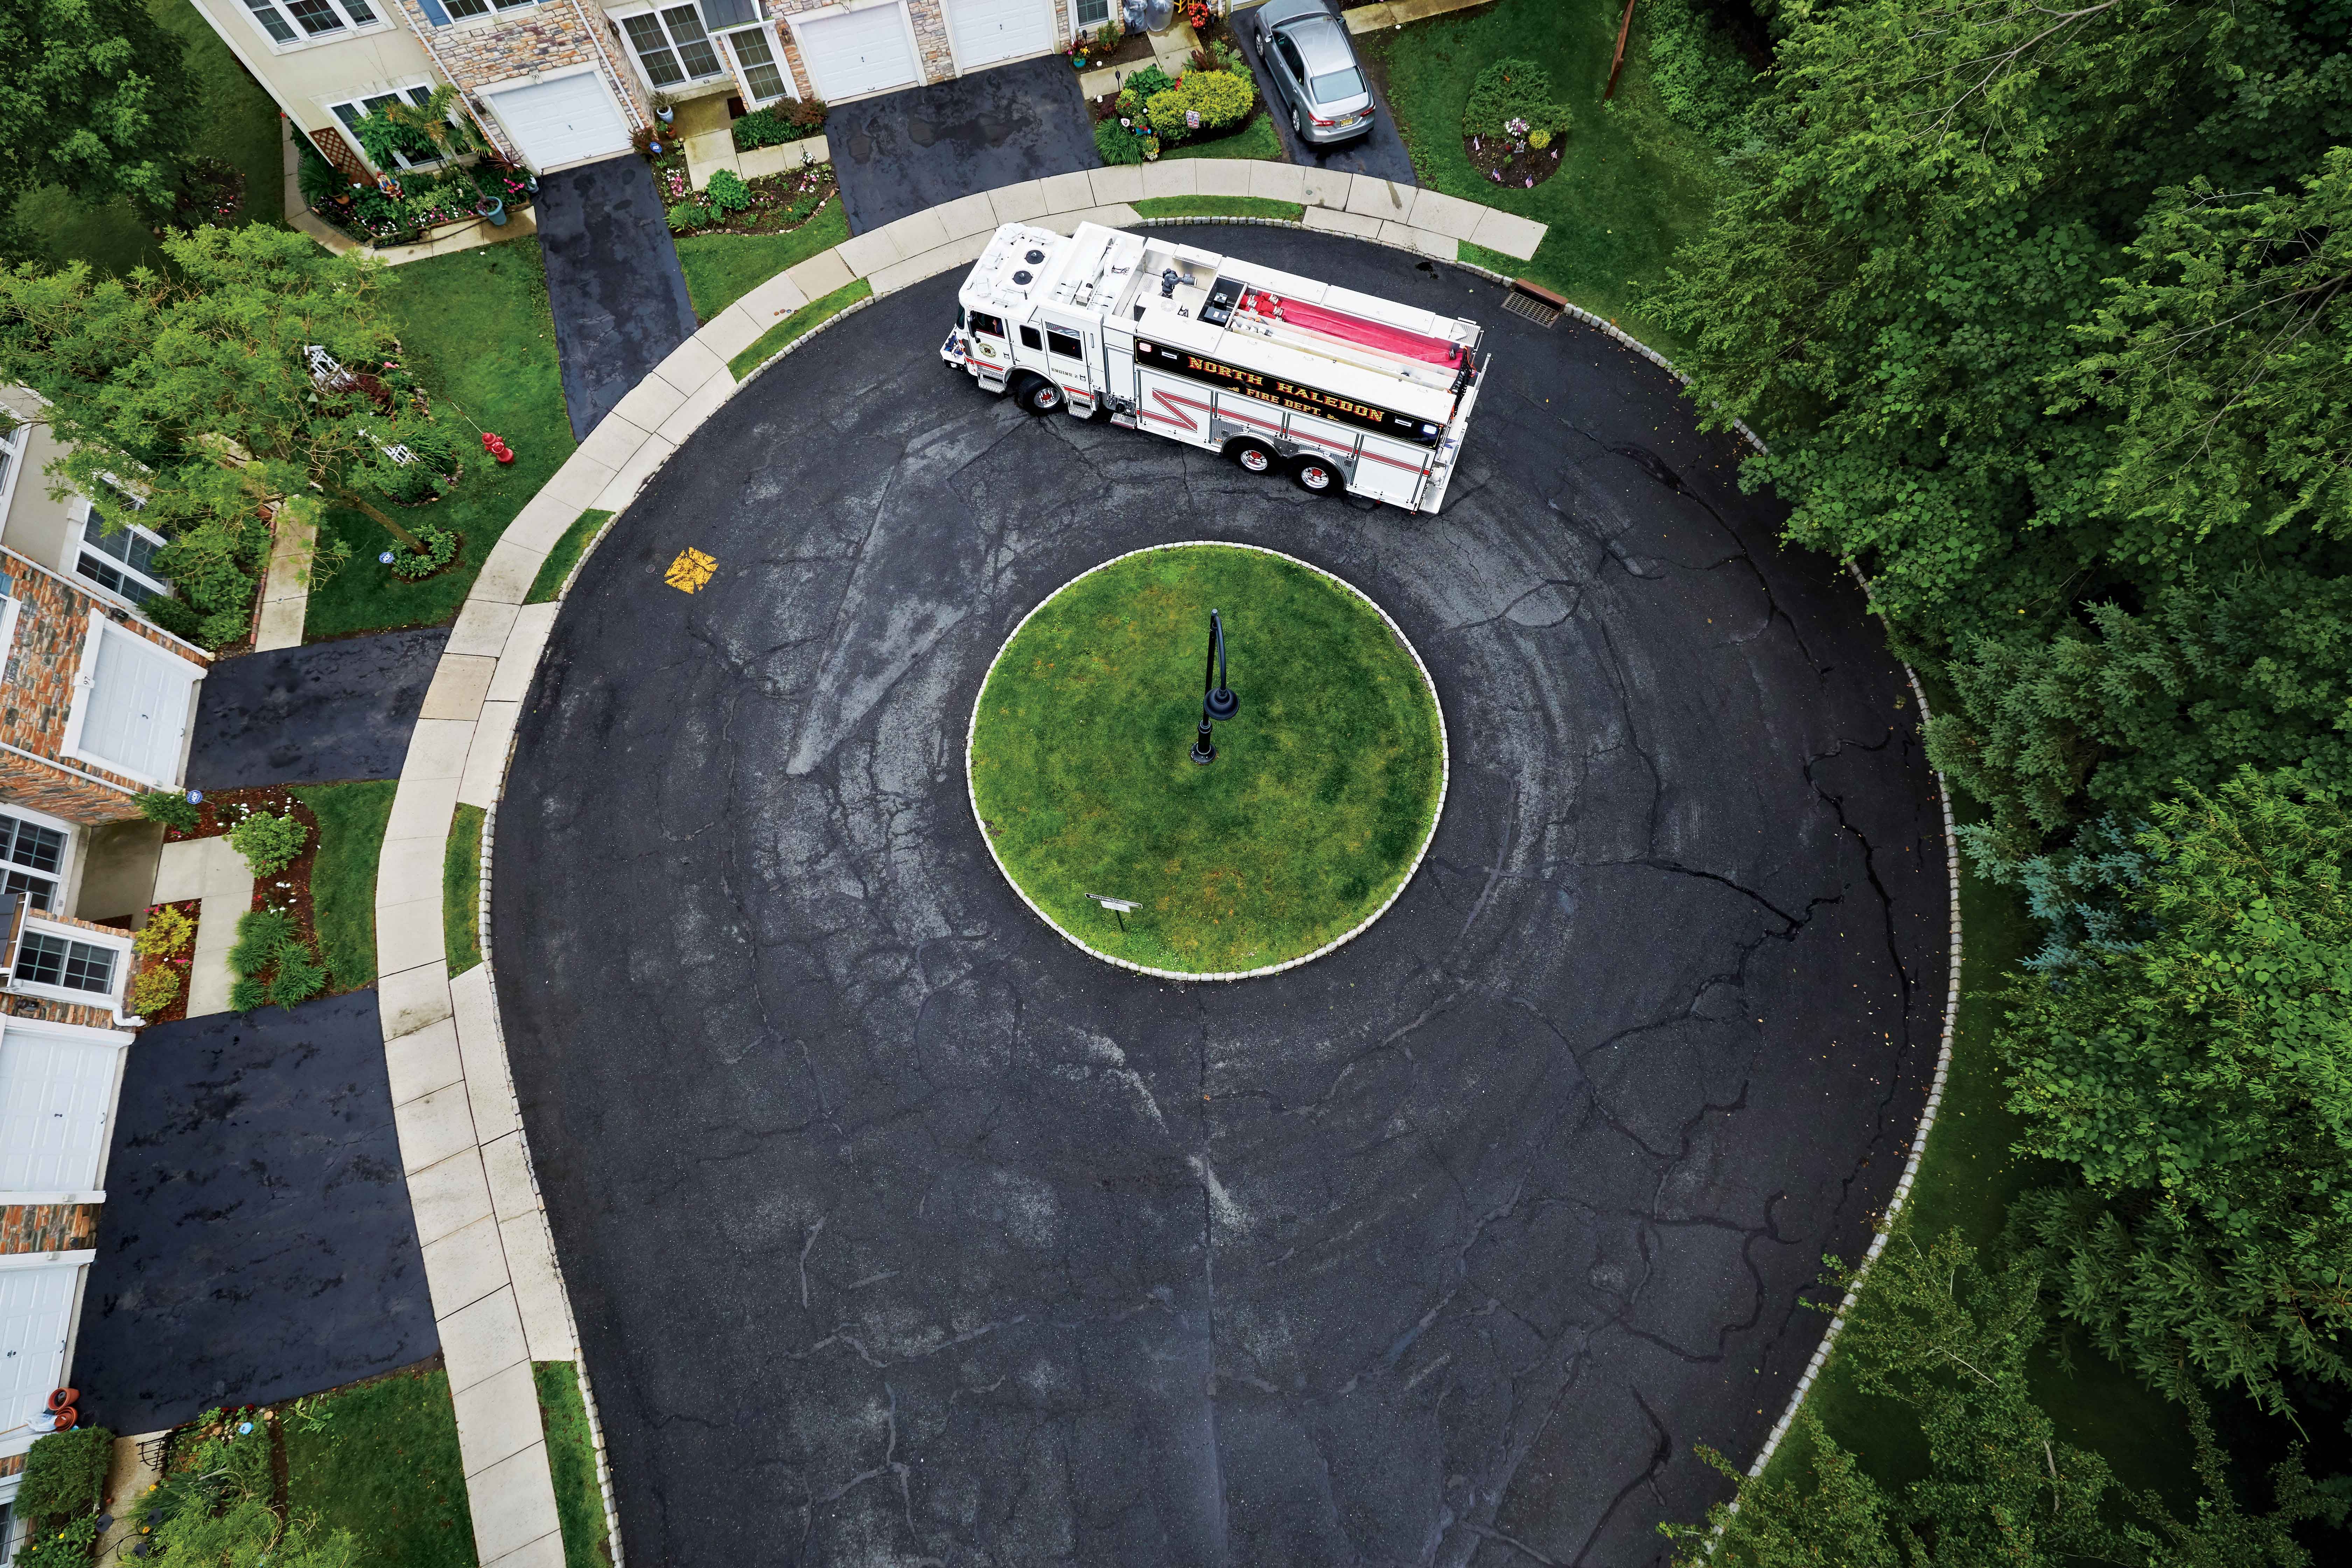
x=194 y=390
x=94 y=97
x=2201 y=1085
x=1951 y=1341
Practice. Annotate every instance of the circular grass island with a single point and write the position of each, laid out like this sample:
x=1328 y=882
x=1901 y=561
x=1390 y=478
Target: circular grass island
x=1324 y=794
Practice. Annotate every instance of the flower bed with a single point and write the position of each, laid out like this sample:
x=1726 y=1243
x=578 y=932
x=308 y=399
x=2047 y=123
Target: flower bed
x=285 y=892
x=789 y=121
x=177 y=958
x=1154 y=111
x=772 y=204
x=1513 y=126
x=400 y=212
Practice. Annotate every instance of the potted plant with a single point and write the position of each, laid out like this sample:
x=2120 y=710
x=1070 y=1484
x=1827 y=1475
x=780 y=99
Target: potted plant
x=492 y=208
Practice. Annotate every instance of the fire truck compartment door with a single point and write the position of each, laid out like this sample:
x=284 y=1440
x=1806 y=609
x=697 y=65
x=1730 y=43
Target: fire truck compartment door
x=1391 y=470
x=1325 y=436
x=1250 y=417
x=1068 y=354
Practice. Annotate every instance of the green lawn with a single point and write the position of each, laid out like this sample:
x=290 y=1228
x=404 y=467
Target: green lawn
x=386 y=1469
x=1966 y=1178
x=572 y=1459
x=1321 y=797
x=720 y=268
x=475 y=326
x=240 y=126
x=461 y=891
x=1220 y=206
x=351 y=818
x=796 y=324
x=564 y=556
x=1632 y=182
x=1258 y=138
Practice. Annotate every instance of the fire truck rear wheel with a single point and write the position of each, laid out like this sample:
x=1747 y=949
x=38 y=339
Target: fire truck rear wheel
x=1038 y=395
x=1255 y=457
x=1316 y=475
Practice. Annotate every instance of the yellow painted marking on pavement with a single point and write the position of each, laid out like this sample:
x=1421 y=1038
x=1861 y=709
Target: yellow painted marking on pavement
x=691 y=571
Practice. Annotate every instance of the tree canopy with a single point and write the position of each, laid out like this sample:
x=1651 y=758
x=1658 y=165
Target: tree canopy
x=95 y=98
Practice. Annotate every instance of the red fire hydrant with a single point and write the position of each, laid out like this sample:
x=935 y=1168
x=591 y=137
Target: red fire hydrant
x=501 y=453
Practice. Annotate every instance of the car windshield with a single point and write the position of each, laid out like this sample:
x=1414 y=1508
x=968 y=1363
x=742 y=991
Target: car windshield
x=1333 y=86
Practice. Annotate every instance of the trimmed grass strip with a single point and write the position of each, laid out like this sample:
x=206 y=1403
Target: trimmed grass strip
x=571 y=1459
x=475 y=327
x=351 y=818
x=386 y=1466
x=564 y=556
x=1220 y=206
x=720 y=268
x=461 y=891
x=793 y=326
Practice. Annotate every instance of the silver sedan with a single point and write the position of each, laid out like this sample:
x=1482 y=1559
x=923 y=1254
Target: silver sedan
x=1314 y=67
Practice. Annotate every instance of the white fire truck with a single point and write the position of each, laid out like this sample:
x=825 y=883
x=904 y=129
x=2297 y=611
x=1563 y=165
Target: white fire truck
x=1273 y=370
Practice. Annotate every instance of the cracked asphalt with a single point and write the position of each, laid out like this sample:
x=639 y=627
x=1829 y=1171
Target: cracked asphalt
x=898 y=1231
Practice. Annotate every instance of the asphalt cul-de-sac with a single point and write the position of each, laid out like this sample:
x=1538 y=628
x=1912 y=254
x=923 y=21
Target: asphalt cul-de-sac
x=901 y=1231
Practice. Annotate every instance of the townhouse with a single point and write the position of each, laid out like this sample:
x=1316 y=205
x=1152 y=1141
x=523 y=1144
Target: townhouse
x=96 y=706
x=559 y=82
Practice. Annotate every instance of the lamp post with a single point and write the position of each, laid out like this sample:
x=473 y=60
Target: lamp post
x=1217 y=699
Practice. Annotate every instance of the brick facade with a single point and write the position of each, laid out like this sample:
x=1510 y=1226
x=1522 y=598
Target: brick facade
x=48 y=1227
x=482 y=51
x=37 y=694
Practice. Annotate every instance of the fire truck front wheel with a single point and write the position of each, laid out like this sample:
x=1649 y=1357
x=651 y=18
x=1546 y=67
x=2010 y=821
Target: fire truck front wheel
x=1255 y=457
x=1314 y=475
x=1037 y=394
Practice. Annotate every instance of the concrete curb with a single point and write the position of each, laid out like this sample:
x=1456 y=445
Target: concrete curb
x=498 y=1297
x=1445 y=772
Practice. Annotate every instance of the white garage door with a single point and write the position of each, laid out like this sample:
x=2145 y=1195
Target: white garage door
x=54 y=1094
x=567 y=120
x=864 y=51
x=35 y=1303
x=986 y=31
x=133 y=711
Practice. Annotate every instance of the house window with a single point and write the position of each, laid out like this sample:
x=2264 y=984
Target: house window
x=351 y=113
x=122 y=560
x=461 y=9
x=672 y=47
x=1093 y=13
x=32 y=858
x=755 y=56
x=315 y=18
x=48 y=958
x=12 y=452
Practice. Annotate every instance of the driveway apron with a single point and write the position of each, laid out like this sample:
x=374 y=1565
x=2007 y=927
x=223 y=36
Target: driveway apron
x=899 y=153
x=613 y=282
x=1380 y=153
x=317 y=714
x=257 y=1242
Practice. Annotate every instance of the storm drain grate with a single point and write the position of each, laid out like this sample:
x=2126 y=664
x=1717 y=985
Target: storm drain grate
x=1527 y=305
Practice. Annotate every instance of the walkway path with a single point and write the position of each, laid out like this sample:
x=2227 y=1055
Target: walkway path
x=614 y=281
x=497 y=1295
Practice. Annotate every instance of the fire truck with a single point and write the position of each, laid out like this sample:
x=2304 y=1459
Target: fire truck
x=1339 y=389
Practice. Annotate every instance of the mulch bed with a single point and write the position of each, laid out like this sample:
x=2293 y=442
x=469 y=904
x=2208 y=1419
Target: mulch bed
x=1136 y=46
x=780 y=203
x=183 y=961
x=288 y=891
x=1507 y=162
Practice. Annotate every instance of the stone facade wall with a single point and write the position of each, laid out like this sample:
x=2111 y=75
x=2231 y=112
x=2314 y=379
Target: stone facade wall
x=37 y=691
x=479 y=51
x=48 y=1227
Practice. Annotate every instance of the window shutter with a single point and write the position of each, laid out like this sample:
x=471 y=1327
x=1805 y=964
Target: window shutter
x=435 y=12
x=720 y=13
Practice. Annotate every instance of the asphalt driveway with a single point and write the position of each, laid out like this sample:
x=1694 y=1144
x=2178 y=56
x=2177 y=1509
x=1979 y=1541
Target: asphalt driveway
x=906 y=150
x=897 y=1228
x=257 y=1242
x=1380 y=153
x=320 y=713
x=614 y=282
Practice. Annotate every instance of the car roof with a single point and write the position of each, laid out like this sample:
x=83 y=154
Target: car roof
x=1323 y=41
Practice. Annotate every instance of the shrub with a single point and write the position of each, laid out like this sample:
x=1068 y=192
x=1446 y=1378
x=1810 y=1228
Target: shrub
x=728 y=193
x=685 y=218
x=772 y=128
x=268 y=843
x=807 y=113
x=299 y=976
x=1514 y=89
x=440 y=549
x=245 y=996
x=169 y=806
x=68 y=1547
x=65 y=1475
x=1220 y=99
x=319 y=179
x=408 y=484
x=1117 y=143
x=430 y=444
x=157 y=985
x=166 y=932
x=380 y=137
x=1700 y=75
x=259 y=935
x=1146 y=84
x=216 y=570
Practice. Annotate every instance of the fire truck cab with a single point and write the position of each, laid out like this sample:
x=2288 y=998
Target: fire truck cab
x=1275 y=371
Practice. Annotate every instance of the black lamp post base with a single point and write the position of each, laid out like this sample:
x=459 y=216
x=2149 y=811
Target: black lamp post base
x=1204 y=750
